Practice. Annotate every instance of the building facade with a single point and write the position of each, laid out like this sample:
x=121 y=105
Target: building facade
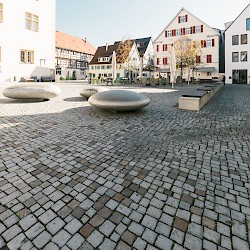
x=237 y=36
x=207 y=38
x=137 y=64
x=27 y=40
x=73 y=55
x=101 y=66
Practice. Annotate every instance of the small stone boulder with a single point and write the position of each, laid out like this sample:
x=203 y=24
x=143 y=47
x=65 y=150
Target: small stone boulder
x=34 y=91
x=119 y=100
x=88 y=91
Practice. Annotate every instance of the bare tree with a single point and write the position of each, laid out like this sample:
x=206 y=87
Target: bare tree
x=125 y=57
x=186 y=54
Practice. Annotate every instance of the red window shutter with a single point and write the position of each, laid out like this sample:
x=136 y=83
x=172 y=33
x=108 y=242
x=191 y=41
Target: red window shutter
x=209 y=58
x=212 y=42
x=163 y=48
x=205 y=43
x=158 y=61
x=186 y=17
x=166 y=47
x=184 y=31
x=201 y=28
x=157 y=47
x=166 y=34
x=202 y=43
x=172 y=32
x=191 y=30
x=179 y=19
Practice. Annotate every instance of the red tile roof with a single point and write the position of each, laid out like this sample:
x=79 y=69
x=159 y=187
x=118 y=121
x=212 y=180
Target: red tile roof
x=66 y=41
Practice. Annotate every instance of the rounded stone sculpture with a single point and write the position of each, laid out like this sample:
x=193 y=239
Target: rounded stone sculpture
x=32 y=91
x=88 y=91
x=119 y=100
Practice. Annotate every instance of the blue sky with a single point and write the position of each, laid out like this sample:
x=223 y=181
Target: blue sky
x=106 y=21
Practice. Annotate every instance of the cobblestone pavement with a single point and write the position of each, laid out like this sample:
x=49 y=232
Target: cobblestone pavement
x=74 y=177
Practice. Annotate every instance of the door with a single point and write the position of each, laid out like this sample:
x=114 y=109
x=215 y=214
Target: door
x=240 y=76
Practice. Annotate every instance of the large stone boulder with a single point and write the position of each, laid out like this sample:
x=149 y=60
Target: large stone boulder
x=34 y=91
x=119 y=100
x=88 y=91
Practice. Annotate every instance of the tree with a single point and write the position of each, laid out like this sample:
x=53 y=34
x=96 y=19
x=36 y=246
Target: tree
x=186 y=54
x=125 y=57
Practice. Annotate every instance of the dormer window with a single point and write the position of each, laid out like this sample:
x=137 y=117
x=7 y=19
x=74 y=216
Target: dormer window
x=103 y=59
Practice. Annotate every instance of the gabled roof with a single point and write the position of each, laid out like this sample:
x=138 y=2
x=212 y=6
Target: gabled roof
x=237 y=17
x=177 y=16
x=104 y=51
x=107 y=51
x=66 y=41
x=143 y=42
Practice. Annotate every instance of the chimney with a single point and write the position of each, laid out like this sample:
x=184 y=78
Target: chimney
x=107 y=47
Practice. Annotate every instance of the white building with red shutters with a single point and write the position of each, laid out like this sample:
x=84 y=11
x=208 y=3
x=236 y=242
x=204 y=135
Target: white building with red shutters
x=210 y=40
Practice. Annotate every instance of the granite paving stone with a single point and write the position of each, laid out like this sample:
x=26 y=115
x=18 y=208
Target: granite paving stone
x=75 y=177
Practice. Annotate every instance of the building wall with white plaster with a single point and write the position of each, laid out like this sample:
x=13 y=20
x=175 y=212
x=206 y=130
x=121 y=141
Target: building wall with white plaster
x=206 y=34
x=238 y=69
x=16 y=37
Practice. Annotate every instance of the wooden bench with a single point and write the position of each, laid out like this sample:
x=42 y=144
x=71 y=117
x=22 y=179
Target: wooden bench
x=199 y=98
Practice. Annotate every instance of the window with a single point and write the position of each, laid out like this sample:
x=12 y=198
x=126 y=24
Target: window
x=248 y=24
x=58 y=71
x=31 y=22
x=209 y=43
x=1 y=12
x=187 y=31
x=164 y=47
x=165 y=61
x=235 y=40
x=102 y=67
x=109 y=66
x=178 y=32
x=197 y=29
x=209 y=58
x=169 y=33
x=42 y=62
x=243 y=39
x=243 y=56
x=182 y=19
x=235 y=56
x=26 y=56
x=198 y=59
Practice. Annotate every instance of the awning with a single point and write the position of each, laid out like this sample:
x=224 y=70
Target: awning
x=164 y=70
x=205 y=69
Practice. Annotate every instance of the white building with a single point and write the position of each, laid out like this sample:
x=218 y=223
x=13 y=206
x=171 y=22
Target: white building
x=139 y=59
x=186 y=24
x=27 y=40
x=237 y=48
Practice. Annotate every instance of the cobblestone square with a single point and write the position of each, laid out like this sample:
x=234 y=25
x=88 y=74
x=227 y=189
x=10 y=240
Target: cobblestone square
x=75 y=177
